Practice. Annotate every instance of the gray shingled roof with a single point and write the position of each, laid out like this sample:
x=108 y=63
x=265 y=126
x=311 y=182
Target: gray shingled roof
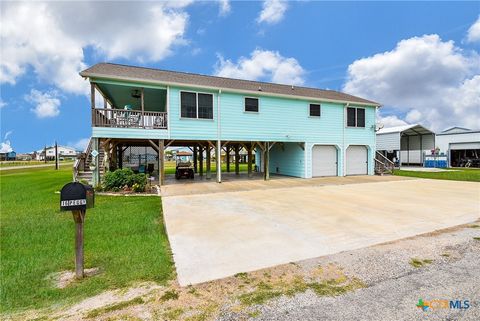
x=123 y=72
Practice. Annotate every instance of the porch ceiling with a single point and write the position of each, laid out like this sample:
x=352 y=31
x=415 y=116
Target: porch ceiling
x=119 y=96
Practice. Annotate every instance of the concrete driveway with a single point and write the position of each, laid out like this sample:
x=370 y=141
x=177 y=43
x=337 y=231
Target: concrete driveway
x=219 y=234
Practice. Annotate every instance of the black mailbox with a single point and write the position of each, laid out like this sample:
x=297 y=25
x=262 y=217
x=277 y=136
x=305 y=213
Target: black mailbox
x=76 y=197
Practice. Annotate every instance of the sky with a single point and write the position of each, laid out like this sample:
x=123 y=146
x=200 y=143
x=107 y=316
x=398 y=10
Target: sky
x=420 y=60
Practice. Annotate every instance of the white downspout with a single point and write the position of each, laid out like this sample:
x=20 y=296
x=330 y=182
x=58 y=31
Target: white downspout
x=219 y=140
x=344 y=151
x=168 y=112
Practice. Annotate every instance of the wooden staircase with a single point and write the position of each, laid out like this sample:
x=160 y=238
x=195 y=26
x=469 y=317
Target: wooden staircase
x=81 y=168
x=383 y=166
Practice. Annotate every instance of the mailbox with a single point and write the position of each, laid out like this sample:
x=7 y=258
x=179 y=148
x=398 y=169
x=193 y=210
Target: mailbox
x=76 y=197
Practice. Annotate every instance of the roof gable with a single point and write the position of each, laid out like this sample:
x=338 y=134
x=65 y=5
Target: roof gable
x=456 y=129
x=413 y=129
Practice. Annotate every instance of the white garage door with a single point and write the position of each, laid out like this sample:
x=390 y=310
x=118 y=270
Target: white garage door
x=357 y=160
x=324 y=160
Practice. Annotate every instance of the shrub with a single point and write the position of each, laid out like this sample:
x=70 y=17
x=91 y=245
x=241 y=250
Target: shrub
x=139 y=181
x=121 y=178
x=118 y=178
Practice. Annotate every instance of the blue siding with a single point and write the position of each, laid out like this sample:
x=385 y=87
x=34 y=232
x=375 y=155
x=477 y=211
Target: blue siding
x=137 y=133
x=187 y=128
x=278 y=119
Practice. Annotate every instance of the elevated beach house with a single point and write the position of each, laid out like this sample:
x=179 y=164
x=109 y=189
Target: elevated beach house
x=289 y=130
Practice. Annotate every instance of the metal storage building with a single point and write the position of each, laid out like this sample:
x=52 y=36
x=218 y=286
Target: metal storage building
x=460 y=144
x=405 y=144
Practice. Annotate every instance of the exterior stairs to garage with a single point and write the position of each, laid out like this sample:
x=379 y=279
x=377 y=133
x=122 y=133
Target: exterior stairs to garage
x=383 y=166
x=82 y=169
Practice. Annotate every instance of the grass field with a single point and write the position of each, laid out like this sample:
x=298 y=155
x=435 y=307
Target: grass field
x=457 y=174
x=30 y=163
x=124 y=238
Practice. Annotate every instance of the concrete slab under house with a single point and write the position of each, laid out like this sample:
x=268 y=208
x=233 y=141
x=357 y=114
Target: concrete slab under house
x=137 y=113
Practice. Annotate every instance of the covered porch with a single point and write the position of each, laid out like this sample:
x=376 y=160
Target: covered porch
x=122 y=105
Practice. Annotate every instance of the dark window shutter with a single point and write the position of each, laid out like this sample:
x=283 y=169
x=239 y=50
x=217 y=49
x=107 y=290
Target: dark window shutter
x=360 y=117
x=188 y=105
x=205 y=106
x=315 y=110
x=351 y=119
x=251 y=104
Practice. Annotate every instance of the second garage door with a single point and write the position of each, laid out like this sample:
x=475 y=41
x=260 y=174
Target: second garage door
x=357 y=160
x=324 y=160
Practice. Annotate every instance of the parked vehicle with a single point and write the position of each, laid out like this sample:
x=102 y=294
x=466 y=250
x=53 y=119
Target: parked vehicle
x=184 y=167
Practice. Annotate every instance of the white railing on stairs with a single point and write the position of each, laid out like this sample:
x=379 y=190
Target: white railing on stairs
x=81 y=159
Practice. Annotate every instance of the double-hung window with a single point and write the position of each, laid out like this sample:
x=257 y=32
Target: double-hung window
x=355 y=117
x=196 y=105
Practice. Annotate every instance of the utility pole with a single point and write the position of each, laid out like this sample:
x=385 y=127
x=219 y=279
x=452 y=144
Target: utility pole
x=45 y=154
x=56 y=155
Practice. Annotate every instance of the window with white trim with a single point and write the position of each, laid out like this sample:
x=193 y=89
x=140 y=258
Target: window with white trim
x=196 y=105
x=355 y=117
x=251 y=104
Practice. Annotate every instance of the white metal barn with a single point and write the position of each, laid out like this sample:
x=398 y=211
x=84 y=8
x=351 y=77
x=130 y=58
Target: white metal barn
x=461 y=145
x=405 y=144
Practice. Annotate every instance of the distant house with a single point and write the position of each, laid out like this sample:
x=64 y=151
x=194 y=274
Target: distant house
x=461 y=145
x=8 y=156
x=24 y=157
x=64 y=152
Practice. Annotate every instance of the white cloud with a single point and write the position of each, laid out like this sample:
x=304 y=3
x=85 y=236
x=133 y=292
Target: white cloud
x=7 y=134
x=2 y=104
x=80 y=144
x=473 y=34
x=225 y=7
x=5 y=147
x=272 y=11
x=414 y=116
x=53 y=36
x=428 y=80
x=46 y=104
x=390 y=121
x=264 y=65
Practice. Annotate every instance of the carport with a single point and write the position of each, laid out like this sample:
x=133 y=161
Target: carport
x=405 y=145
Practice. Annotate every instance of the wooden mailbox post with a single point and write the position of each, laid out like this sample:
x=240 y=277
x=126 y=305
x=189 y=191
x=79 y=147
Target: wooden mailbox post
x=76 y=197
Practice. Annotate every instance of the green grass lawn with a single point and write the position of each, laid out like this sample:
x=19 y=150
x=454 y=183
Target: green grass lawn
x=30 y=163
x=456 y=174
x=124 y=237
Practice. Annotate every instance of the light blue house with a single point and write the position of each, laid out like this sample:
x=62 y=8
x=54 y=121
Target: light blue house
x=294 y=131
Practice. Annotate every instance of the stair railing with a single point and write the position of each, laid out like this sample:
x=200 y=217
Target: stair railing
x=383 y=164
x=81 y=160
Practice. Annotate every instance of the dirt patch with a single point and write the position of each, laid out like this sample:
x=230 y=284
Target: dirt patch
x=63 y=279
x=240 y=294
